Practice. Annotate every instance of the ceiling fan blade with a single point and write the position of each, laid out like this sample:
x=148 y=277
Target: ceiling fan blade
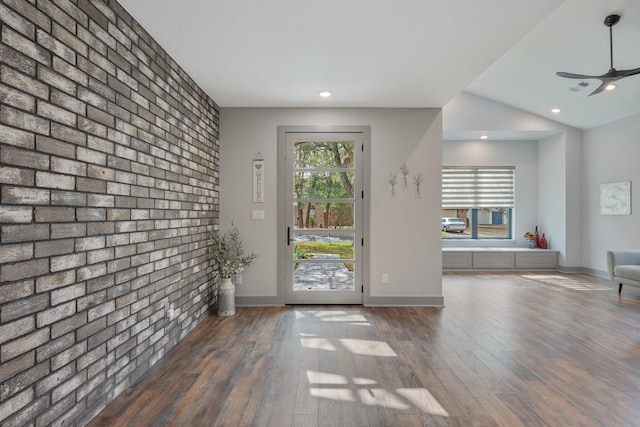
x=575 y=76
x=600 y=88
x=626 y=73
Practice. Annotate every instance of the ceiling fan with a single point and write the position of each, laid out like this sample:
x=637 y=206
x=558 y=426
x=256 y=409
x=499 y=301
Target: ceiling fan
x=610 y=76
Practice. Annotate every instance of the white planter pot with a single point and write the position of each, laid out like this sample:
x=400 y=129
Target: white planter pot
x=226 y=298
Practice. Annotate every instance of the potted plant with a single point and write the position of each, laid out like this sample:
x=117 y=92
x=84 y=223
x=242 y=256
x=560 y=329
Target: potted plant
x=228 y=253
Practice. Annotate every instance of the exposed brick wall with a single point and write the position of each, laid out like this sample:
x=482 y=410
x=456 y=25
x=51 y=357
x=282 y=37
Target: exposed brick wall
x=109 y=191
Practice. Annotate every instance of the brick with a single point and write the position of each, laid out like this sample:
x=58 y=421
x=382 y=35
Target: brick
x=53 y=380
x=53 y=146
x=100 y=116
x=68 y=356
x=13 y=330
x=100 y=228
x=16 y=365
x=91 y=127
x=16 y=137
x=91 y=214
x=31 y=13
x=25 y=196
x=98 y=200
x=24 y=233
x=25 y=83
x=118 y=239
x=25 y=46
x=15 y=214
x=16 y=98
x=100 y=337
x=24 y=344
x=69 y=40
x=125 y=226
x=100 y=255
x=17 y=60
x=92 y=98
x=90 y=243
x=68 y=198
x=17 y=157
x=66 y=262
x=67 y=102
x=92 y=271
x=118 y=163
x=119 y=189
x=24 y=120
x=55 y=281
x=91 y=156
x=69 y=324
x=101 y=310
x=15 y=21
x=68 y=134
x=23 y=270
x=101 y=145
x=119 y=214
x=14 y=253
x=16 y=402
x=53 y=247
x=57 y=80
x=68 y=293
x=68 y=166
x=57 y=47
x=55 y=314
x=126 y=251
x=89 y=185
x=99 y=172
x=118 y=265
x=55 y=180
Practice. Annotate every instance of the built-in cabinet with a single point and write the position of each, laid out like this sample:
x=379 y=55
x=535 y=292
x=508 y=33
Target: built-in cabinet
x=499 y=259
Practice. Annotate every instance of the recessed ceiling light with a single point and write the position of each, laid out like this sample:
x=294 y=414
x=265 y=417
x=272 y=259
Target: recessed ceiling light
x=555 y=110
x=325 y=93
x=484 y=137
x=610 y=86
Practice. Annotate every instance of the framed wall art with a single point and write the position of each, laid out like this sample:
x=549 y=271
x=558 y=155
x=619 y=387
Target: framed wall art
x=615 y=198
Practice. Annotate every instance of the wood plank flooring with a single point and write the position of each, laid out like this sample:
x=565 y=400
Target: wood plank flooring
x=509 y=349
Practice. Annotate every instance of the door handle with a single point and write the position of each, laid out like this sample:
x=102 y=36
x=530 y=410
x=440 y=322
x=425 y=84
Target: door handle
x=289 y=239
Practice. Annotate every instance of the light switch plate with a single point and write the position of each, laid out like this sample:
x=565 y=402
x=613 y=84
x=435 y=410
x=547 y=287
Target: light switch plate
x=257 y=215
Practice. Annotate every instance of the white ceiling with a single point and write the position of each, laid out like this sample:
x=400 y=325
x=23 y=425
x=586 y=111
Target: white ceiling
x=405 y=53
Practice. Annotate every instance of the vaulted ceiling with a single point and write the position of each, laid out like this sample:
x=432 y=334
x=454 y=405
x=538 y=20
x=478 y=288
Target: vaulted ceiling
x=408 y=53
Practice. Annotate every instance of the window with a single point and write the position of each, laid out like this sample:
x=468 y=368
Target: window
x=482 y=197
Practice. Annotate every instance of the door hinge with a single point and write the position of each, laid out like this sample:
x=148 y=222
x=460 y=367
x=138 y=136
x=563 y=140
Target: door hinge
x=362 y=242
x=362 y=289
x=362 y=194
x=362 y=147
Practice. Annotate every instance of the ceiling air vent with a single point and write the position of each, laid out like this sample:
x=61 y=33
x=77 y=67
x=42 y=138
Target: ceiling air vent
x=579 y=87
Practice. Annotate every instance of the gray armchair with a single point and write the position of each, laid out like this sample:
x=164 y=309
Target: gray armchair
x=624 y=267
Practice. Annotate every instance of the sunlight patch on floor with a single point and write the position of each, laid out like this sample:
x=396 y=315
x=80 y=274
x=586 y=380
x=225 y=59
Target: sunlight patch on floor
x=317 y=343
x=368 y=347
x=342 y=394
x=340 y=387
x=316 y=377
x=422 y=399
x=564 y=282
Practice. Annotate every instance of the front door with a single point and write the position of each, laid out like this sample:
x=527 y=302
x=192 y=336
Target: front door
x=323 y=217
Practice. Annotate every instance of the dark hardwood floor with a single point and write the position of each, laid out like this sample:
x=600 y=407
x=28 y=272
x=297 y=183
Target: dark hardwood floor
x=517 y=349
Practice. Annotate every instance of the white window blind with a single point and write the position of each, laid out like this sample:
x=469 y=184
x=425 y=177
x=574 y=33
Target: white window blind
x=477 y=187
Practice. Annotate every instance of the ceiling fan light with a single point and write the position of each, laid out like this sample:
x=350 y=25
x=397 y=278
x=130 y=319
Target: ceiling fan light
x=610 y=86
x=555 y=110
x=484 y=137
x=324 y=93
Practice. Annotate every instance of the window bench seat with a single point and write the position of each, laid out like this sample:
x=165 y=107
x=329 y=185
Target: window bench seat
x=503 y=258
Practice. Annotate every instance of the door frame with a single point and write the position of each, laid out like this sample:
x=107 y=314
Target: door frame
x=365 y=131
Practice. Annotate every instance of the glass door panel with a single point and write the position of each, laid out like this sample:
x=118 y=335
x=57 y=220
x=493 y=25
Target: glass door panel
x=324 y=250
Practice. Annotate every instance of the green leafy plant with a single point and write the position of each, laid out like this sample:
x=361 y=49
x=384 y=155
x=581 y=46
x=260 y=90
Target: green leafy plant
x=228 y=253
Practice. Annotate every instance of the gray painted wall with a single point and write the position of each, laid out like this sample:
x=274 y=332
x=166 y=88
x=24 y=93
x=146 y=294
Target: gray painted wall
x=611 y=154
x=405 y=236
